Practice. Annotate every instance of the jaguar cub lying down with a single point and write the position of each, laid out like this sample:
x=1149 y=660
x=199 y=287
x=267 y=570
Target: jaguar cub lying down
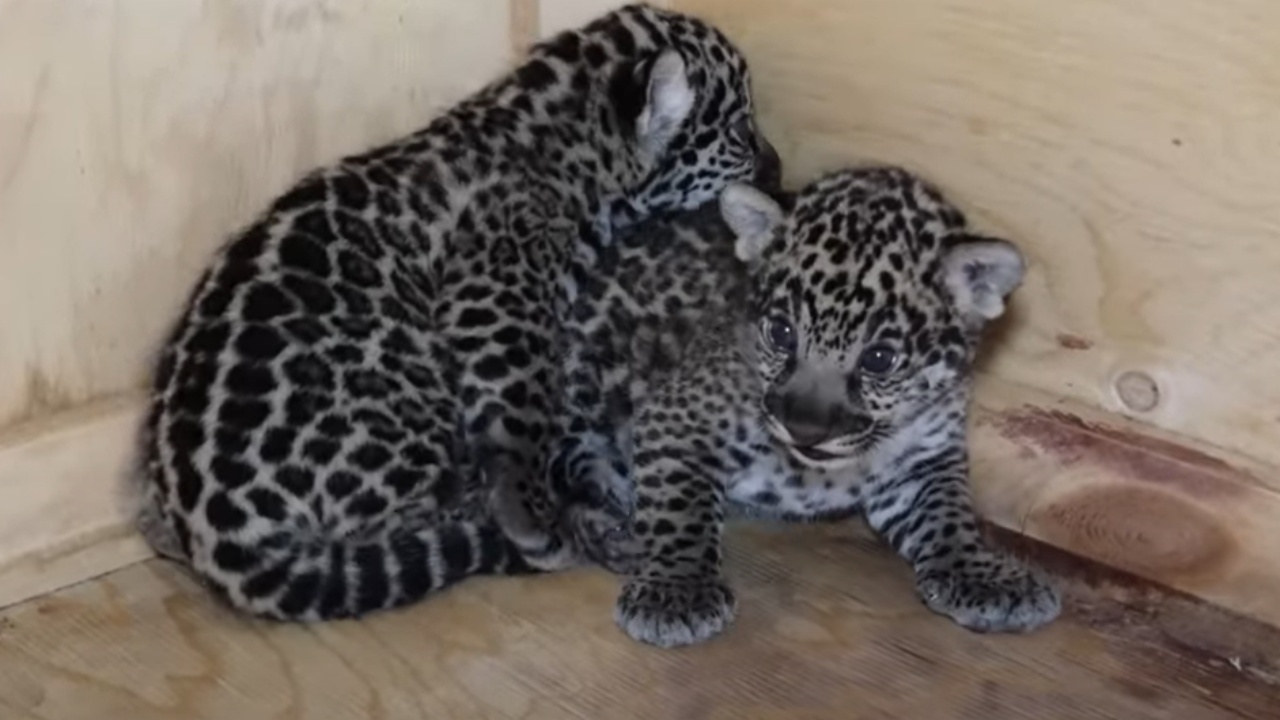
x=842 y=385
x=370 y=365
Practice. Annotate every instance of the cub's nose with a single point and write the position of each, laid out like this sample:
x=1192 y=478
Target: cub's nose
x=806 y=421
x=811 y=422
x=806 y=434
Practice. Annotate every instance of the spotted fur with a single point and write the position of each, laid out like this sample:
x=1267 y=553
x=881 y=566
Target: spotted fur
x=841 y=388
x=371 y=366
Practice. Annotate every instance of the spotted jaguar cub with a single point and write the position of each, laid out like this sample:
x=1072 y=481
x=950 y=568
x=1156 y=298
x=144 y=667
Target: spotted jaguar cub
x=842 y=386
x=370 y=366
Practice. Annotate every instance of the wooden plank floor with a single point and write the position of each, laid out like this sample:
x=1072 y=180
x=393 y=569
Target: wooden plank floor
x=828 y=628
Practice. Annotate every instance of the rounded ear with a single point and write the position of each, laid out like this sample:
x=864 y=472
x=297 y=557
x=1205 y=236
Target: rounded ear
x=752 y=216
x=668 y=101
x=980 y=273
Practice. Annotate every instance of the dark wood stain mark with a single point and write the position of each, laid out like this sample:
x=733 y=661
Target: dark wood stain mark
x=1125 y=452
x=1073 y=342
x=1140 y=528
x=1153 y=509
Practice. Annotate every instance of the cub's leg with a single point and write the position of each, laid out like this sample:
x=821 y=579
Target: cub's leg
x=926 y=514
x=677 y=596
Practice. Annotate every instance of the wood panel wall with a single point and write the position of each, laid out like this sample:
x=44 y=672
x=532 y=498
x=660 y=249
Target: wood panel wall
x=137 y=133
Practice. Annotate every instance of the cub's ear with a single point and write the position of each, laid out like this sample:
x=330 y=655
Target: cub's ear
x=980 y=272
x=752 y=216
x=668 y=100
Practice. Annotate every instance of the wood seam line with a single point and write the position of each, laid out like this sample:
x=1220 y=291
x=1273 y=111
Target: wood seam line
x=522 y=26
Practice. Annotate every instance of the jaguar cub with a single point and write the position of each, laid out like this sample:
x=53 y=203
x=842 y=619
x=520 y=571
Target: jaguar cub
x=842 y=386
x=371 y=365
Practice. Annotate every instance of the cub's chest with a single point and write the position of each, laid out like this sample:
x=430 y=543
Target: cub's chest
x=773 y=484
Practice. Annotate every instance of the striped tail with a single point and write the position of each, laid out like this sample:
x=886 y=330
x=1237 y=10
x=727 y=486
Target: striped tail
x=350 y=576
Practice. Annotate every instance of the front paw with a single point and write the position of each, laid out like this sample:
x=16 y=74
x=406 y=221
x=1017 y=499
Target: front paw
x=990 y=593
x=671 y=613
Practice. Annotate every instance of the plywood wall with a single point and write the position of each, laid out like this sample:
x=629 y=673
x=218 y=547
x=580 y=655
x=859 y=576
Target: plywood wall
x=137 y=133
x=1132 y=148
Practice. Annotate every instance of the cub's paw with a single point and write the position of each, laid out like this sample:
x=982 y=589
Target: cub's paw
x=672 y=613
x=599 y=501
x=990 y=594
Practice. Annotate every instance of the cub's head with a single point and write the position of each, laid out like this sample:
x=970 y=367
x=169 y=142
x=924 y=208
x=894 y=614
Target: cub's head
x=669 y=98
x=870 y=296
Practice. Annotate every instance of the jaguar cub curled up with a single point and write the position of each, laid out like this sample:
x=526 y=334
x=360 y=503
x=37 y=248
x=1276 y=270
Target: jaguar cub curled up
x=842 y=386
x=370 y=367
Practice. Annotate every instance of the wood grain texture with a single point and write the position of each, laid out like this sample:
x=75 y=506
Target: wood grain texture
x=134 y=136
x=1129 y=147
x=829 y=628
x=1182 y=514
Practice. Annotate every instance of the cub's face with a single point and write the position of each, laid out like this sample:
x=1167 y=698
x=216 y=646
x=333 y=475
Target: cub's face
x=870 y=298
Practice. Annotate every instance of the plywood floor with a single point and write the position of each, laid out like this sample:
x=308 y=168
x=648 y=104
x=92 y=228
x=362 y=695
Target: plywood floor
x=829 y=628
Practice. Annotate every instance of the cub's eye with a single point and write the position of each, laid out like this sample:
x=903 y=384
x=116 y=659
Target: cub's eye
x=781 y=334
x=878 y=360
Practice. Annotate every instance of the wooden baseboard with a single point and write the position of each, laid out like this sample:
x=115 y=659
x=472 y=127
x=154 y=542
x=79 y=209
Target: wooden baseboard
x=63 y=512
x=1106 y=489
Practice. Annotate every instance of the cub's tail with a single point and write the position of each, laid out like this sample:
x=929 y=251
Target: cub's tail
x=351 y=576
